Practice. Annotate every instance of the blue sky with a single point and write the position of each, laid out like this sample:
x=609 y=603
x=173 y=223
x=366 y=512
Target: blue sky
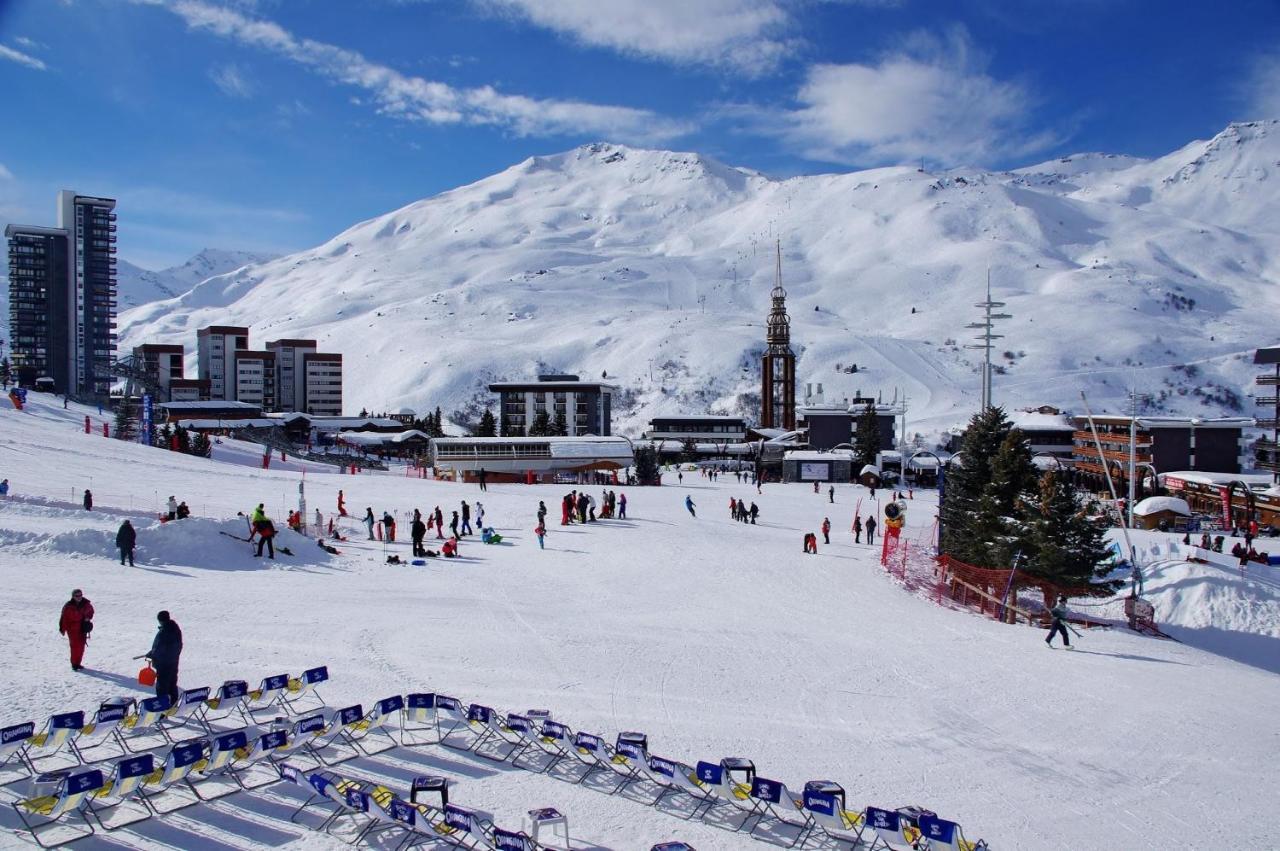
x=272 y=125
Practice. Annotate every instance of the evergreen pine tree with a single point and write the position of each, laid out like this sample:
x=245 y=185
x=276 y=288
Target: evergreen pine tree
x=126 y=426
x=163 y=435
x=646 y=465
x=504 y=425
x=966 y=485
x=998 y=531
x=541 y=426
x=438 y=424
x=866 y=439
x=559 y=427
x=184 y=439
x=488 y=427
x=200 y=445
x=1069 y=550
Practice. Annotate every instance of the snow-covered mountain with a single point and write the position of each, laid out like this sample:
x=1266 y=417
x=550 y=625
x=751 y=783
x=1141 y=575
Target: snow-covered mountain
x=654 y=268
x=137 y=286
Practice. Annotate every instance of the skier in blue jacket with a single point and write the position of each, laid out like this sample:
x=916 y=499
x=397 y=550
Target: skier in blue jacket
x=688 y=503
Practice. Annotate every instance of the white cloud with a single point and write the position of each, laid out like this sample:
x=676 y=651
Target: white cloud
x=5 y=174
x=749 y=35
x=930 y=98
x=416 y=98
x=1262 y=89
x=22 y=58
x=30 y=44
x=231 y=81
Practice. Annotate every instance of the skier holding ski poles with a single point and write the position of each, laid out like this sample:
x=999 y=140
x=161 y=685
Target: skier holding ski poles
x=1059 y=625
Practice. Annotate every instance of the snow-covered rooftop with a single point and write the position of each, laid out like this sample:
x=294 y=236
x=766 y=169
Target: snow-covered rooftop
x=1156 y=504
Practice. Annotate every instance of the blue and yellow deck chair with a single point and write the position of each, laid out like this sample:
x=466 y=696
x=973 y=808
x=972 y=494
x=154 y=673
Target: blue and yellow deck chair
x=119 y=803
x=943 y=835
x=824 y=801
x=164 y=789
x=64 y=793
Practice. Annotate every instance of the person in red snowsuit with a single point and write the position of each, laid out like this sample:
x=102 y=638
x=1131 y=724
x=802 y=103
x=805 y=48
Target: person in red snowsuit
x=75 y=613
x=342 y=505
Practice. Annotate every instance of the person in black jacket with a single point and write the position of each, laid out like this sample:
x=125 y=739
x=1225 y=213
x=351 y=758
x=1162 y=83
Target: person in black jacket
x=164 y=653
x=418 y=531
x=126 y=538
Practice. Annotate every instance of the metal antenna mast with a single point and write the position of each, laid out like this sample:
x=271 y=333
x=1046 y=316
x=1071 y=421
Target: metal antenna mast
x=986 y=338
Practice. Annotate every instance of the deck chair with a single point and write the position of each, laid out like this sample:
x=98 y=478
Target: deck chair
x=328 y=792
x=510 y=840
x=493 y=730
x=163 y=787
x=14 y=765
x=63 y=793
x=588 y=749
x=102 y=729
x=471 y=828
x=301 y=690
x=266 y=696
x=419 y=723
x=555 y=741
x=518 y=731
x=943 y=835
x=227 y=700
x=731 y=784
x=376 y=723
x=58 y=733
x=824 y=801
x=780 y=805
x=215 y=778
x=689 y=781
x=141 y=731
x=889 y=830
x=298 y=735
x=662 y=773
x=625 y=758
x=189 y=708
x=388 y=813
x=335 y=736
x=254 y=767
x=451 y=716
x=117 y=804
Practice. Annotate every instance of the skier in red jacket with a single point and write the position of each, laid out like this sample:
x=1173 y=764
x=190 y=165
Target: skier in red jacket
x=75 y=624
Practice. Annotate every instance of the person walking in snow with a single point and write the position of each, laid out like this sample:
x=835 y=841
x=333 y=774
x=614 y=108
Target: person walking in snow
x=591 y=508
x=1059 y=613
x=342 y=505
x=831 y=494
x=75 y=623
x=541 y=531
x=389 y=527
x=479 y=514
x=453 y=524
x=754 y=512
x=871 y=530
x=857 y=528
x=173 y=508
x=183 y=511
x=166 y=650
x=466 y=519
x=815 y=487
x=417 y=532
x=126 y=538
x=369 y=520
x=826 y=530
x=439 y=518
x=4 y=488
x=689 y=504
x=88 y=500
x=542 y=513
x=810 y=543
x=483 y=476
x=622 y=506
x=733 y=508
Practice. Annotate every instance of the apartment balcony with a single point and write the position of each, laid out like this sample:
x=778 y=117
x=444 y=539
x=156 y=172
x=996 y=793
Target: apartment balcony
x=1122 y=456
x=1269 y=401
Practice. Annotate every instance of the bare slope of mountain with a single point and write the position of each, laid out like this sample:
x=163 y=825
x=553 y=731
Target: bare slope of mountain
x=654 y=268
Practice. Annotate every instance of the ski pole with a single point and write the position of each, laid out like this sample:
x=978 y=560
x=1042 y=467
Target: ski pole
x=1072 y=628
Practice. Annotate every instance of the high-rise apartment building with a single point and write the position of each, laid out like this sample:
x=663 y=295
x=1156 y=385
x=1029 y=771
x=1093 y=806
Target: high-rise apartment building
x=255 y=378
x=322 y=385
x=291 y=380
x=216 y=347
x=63 y=301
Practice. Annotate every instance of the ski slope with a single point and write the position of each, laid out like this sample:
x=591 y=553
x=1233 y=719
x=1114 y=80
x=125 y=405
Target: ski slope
x=715 y=638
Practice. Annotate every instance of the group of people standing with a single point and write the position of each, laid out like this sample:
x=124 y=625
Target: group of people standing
x=739 y=511
x=76 y=623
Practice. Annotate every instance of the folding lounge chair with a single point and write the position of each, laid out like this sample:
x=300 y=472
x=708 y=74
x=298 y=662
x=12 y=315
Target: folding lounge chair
x=625 y=759
x=327 y=791
x=518 y=731
x=59 y=731
x=142 y=731
x=889 y=830
x=254 y=766
x=64 y=791
x=14 y=740
x=334 y=739
x=300 y=692
x=730 y=782
x=227 y=700
x=215 y=777
x=451 y=716
x=554 y=740
x=376 y=723
x=298 y=735
x=118 y=803
x=266 y=696
x=189 y=709
x=102 y=729
x=388 y=813
x=662 y=773
x=589 y=750
x=943 y=835
x=824 y=801
x=689 y=780
x=779 y=804
x=164 y=785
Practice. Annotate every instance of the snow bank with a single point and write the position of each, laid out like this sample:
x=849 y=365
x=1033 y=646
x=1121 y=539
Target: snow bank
x=1156 y=504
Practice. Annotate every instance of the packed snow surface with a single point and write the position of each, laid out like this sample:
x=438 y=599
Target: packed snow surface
x=653 y=270
x=713 y=637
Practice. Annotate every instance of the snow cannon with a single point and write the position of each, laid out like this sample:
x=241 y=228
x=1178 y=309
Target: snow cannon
x=895 y=515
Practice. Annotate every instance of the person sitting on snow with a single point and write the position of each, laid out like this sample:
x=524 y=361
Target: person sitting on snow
x=450 y=548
